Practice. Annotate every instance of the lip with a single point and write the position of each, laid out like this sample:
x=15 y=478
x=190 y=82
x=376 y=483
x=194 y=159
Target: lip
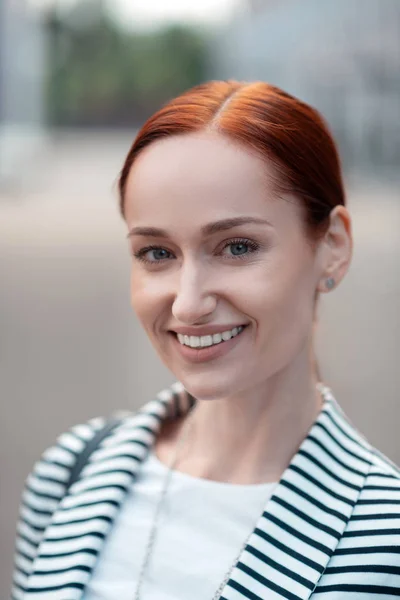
x=199 y=355
x=206 y=330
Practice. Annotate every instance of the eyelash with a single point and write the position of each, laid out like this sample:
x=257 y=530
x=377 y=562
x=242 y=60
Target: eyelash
x=140 y=255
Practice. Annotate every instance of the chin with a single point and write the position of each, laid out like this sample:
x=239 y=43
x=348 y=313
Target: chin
x=215 y=386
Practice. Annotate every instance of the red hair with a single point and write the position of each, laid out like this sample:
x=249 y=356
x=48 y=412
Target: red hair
x=279 y=127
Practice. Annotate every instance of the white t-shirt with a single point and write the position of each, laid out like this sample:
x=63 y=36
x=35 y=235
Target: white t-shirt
x=202 y=527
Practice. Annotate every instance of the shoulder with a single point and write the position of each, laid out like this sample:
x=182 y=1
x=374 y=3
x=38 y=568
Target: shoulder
x=383 y=464
x=377 y=509
x=45 y=486
x=51 y=472
x=375 y=465
x=383 y=480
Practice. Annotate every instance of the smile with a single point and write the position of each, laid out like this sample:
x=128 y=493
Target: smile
x=194 y=341
x=205 y=348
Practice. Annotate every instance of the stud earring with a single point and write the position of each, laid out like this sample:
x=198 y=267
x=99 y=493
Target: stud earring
x=330 y=283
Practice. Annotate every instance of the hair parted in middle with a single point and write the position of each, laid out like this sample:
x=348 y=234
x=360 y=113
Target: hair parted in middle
x=280 y=128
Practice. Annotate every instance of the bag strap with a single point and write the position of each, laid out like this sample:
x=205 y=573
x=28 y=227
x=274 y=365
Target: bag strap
x=88 y=450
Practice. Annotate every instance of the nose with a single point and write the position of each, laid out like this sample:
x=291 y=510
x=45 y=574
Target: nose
x=194 y=300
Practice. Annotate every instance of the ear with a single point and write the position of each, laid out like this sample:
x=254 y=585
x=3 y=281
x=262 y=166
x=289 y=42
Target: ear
x=336 y=249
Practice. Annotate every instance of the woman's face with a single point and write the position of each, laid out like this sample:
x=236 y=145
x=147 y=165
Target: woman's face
x=215 y=249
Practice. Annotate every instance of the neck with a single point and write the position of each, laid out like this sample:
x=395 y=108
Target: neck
x=251 y=437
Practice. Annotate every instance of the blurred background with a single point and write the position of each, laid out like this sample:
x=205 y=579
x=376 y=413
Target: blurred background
x=77 y=78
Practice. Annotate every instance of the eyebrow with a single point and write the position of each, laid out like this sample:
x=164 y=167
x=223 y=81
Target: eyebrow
x=208 y=229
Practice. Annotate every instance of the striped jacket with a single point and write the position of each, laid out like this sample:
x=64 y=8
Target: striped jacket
x=331 y=527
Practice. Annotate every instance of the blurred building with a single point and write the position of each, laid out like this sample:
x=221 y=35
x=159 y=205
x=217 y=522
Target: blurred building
x=22 y=60
x=341 y=56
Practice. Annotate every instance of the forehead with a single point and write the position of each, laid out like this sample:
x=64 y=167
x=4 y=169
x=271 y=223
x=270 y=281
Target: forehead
x=198 y=177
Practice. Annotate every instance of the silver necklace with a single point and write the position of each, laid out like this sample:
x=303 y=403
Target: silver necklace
x=153 y=530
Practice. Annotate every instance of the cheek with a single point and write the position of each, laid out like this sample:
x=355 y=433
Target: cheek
x=148 y=299
x=277 y=293
x=141 y=299
x=286 y=315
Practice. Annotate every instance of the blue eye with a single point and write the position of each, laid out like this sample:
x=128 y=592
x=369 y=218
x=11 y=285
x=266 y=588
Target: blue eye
x=159 y=254
x=241 y=248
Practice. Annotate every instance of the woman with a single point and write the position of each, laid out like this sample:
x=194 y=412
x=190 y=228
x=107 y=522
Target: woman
x=245 y=480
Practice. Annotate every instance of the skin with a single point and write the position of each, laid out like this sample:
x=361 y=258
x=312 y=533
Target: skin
x=257 y=402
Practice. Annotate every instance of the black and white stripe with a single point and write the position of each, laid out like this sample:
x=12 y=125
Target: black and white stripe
x=332 y=525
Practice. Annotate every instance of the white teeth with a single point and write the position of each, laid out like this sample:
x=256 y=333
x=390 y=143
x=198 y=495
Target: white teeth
x=206 y=340
x=194 y=341
x=203 y=341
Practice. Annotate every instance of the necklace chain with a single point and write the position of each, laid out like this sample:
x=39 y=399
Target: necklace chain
x=153 y=530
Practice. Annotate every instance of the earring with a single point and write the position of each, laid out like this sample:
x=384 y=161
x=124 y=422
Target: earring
x=330 y=283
